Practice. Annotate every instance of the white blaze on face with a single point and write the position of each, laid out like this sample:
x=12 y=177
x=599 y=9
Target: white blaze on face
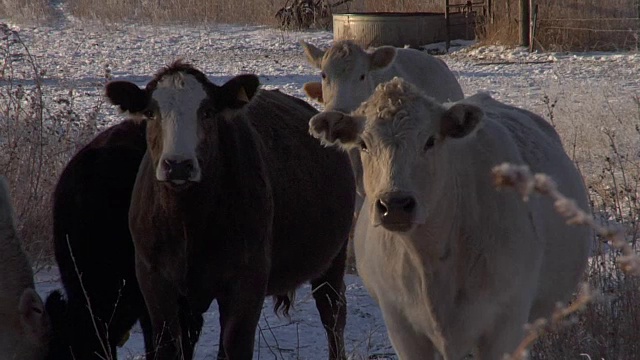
x=178 y=97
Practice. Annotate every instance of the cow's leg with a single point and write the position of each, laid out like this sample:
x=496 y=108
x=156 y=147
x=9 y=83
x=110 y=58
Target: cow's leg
x=147 y=331
x=161 y=298
x=240 y=309
x=504 y=337
x=328 y=292
x=408 y=344
x=191 y=324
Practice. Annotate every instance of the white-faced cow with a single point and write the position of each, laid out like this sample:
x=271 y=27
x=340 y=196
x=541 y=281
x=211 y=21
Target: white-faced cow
x=233 y=201
x=455 y=265
x=24 y=325
x=350 y=74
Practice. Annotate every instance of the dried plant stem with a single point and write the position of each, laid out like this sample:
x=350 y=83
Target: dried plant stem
x=542 y=326
x=520 y=178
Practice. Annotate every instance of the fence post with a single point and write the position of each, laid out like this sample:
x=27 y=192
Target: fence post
x=524 y=22
x=533 y=8
x=447 y=24
x=638 y=29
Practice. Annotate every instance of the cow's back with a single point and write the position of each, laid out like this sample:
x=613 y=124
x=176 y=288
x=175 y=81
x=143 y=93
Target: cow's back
x=428 y=73
x=313 y=189
x=92 y=197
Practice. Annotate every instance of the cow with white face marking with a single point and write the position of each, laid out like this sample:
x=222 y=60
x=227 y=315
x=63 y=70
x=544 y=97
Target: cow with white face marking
x=456 y=265
x=230 y=203
x=24 y=325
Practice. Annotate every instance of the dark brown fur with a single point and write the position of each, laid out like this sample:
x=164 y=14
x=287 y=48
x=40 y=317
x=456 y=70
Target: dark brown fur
x=273 y=210
x=90 y=207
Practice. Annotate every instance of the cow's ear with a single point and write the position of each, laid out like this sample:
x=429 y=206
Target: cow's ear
x=33 y=317
x=128 y=96
x=314 y=55
x=382 y=57
x=314 y=91
x=336 y=128
x=238 y=92
x=460 y=120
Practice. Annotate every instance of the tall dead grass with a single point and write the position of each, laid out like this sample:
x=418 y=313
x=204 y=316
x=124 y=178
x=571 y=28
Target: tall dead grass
x=577 y=25
x=608 y=327
x=38 y=134
x=25 y=10
x=202 y=11
x=170 y=11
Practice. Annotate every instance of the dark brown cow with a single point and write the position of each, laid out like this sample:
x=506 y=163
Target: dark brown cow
x=90 y=207
x=234 y=201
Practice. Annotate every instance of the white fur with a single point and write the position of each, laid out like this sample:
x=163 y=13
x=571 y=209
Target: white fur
x=482 y=262
x=179 y=97
x=344 y=91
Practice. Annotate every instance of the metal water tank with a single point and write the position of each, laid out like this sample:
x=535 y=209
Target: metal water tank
x=400 y=29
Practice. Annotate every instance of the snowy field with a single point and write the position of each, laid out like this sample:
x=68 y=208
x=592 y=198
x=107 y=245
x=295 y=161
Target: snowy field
x=73 y=55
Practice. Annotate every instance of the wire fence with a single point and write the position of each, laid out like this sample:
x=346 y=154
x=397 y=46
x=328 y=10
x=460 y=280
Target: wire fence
x=580 y=25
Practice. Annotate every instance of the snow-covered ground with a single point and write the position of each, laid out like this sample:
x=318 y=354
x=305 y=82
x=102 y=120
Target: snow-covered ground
x=75 y=55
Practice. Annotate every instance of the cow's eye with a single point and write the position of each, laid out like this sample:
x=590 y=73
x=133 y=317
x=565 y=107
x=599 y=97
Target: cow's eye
x=363 y=146
x=323 y=75
x=429 y=144
x=362 y=77
x=149 y=114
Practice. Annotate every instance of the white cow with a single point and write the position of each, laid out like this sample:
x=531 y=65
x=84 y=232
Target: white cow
x=350 y=74
x=456 y=265
x=24 y=326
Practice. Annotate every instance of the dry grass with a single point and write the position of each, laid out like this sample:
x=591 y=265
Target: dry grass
x=607 y=328
x=577 y=25
x=25 y=10
x=170 y=11
x=38 y=136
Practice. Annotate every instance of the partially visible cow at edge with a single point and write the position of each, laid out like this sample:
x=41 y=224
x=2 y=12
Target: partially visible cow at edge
x=233 y=201
x=350 y=74
x=456 y=265
x=24 y=325
x=90 y=221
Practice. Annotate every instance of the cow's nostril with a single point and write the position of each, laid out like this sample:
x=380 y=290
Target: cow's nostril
x=393 y=206
x=166 y=164
x=381 y=207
